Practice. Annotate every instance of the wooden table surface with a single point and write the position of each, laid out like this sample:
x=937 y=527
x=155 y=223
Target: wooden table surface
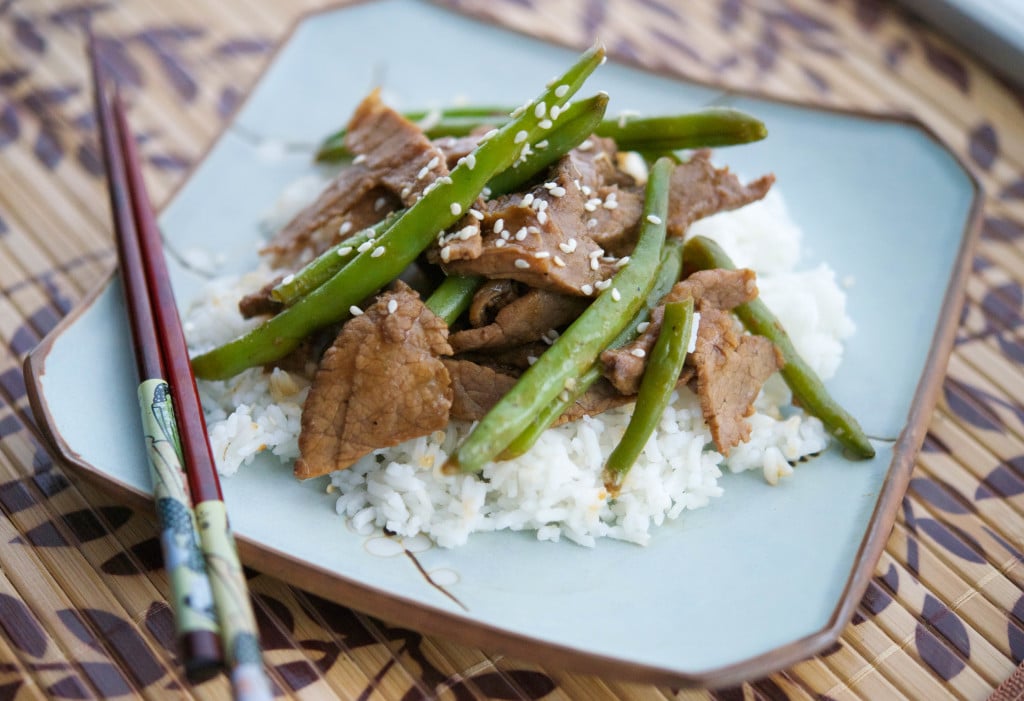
x=83 y=611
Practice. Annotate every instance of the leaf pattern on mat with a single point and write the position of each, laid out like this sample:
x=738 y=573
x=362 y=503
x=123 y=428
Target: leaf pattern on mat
x=20 y=627
x=947 y=65
x=983 y=145
x=940 y=495
x=1005 y=480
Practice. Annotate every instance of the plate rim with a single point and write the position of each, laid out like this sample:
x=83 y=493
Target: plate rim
x=431 y=620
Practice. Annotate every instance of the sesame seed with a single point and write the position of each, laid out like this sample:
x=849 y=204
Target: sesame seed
x=570 y=384
x=467 y=232
x=360 y=158
x=531 y=359
x=369 y=233
x=541 y=255
x=591 y=223
x=586 y=145
x=519 y=110
x=566 y=248
x=392 y=306
x=288 y=279
x=365 y=246
x=563 y=395
x=499 y=225
x=527 y=199
x=379 y=204
x=471 y=161
x=456 y=208
x=355 y=311
x=638 y=353
x=423 y=173
x=346 y=226
x=541 y=145
x=488 y=135
x=506 y=235
x=558 y=261
x=476 y=214
x=558 y=191
x=621 y=262
x=542 y=217
x=520 y=137
x=545 y=124
x=433 y=162
x=522 y=264
x=610 y=203
x=446 y=254
x=555 y=111
x=521 y=234
x=550 y=185
x=643 y=326
x=585 y=189
x=561 y=90
x=615 y=294
x=587 y=289
x=603 y=284
x=498 y=243
x=539 y=110
x=486 y=193
x=377 y=252
x=590 y=206
x=344 y=250
x=654 y=218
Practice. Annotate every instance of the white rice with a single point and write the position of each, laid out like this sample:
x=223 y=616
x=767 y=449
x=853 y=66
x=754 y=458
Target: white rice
x=556 y=489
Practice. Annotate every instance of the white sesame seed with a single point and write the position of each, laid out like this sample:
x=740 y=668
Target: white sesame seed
x=654 y=218
x=344 y=250
x=498 y=243
x=455 y=208
x=423 y=173
x=585 y=189
x=586 y=145
x=563 y=396
x=542 y=217
x=527 y=199
x=621 y=262
x=550 y=185
x=520 y=136
x=572 y=245
x=558 y=261
x=555 y=111
x=643 y=326
x=488 y=135
x=467 y=232
x=346 y=226
x=486 y=193
x=545 y=124
x=355 y=311
x=471 y=161
x=499 y=226
x=539 y=110
x=433 y=162
x=392 y=306
x=587 y=289
x=531 y=359
x=521 y=234
x=603 y=284
x=611 y=203
x=591 y=223
x=638 y=353
x=541 y=255
x=522 y=264
x=288 y=279
x=558 y=191
x=506 y=235
x=360 y=158
x=368 y=232
x=406 y=191
x=615 y=294
x=561 y=90
x=377 y=252
x=379 y=204
x=566 y=248
x=570 y=384
x=590 y=206
x=446 y=254
x=476 y=214
x=594 y=264
x=365 y=246
x=541 y=145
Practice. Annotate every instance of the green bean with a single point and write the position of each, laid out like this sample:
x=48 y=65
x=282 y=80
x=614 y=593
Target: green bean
x=574 y=125
x=451 y=121
x=706 y=128
x=411 y=233
x=453 y=296
x=319 y=270
x=669 y=271
x=559 y=367
x=808 y=389
x=659 y=380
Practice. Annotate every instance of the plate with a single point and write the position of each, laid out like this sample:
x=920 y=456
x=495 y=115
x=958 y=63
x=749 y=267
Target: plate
x=765 y=577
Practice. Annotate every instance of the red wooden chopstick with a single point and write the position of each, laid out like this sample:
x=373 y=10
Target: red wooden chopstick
x=226 y=579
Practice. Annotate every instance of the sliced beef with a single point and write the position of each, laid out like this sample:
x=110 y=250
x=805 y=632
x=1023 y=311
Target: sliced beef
x=475 y=388
x=489 y=299
x=525 y=319
x=260 y=302
x=456 y=147
x=379 y=384
x=709 y=289
x=698 y=190
x=730 y=371
x=395 y=162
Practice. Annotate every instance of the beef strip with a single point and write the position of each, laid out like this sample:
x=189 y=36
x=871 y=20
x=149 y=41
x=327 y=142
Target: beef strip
x=698 y=190
x=260 y=302
x=475 y=388
x=489 y=299
x=395 y=162
x=710 y=289
x=524 y=319
x=379 y=384
x=730 y=371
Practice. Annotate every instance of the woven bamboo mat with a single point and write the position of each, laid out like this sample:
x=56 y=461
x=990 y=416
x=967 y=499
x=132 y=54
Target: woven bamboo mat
x=82 y=594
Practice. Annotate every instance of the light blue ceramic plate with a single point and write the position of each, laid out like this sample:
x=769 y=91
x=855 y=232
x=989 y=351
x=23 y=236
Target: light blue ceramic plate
x=764 y=578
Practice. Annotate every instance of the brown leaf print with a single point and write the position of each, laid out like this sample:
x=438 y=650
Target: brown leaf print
x=868 y=13
x=28 y=36
x=940 y=495
x=69 y=688
x=946 y=65
x=21 y=627
x=594 y=13
x=1003 y=481
x=983 y=145
x=1002 y=228
x=117 y=62
x=729 y=14
x=122 y=637
x=945 y=662
x=799 y=21
x=243 y=46
x=1013 y=191
x=147 y=553
x=79 y=15
x=896 y=52
x=767 y=49
x=15 y=497
x=817 y=80
x=1015 y=635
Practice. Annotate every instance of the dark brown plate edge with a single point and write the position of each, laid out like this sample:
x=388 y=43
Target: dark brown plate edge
x=433 y=621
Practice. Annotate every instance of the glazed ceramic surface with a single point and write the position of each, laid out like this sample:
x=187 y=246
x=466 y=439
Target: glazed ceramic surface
x=762 y=578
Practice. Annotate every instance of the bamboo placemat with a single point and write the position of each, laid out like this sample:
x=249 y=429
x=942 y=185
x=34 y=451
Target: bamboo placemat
x=82 y=594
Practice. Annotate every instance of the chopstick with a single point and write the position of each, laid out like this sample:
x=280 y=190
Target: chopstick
x=144 y=266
